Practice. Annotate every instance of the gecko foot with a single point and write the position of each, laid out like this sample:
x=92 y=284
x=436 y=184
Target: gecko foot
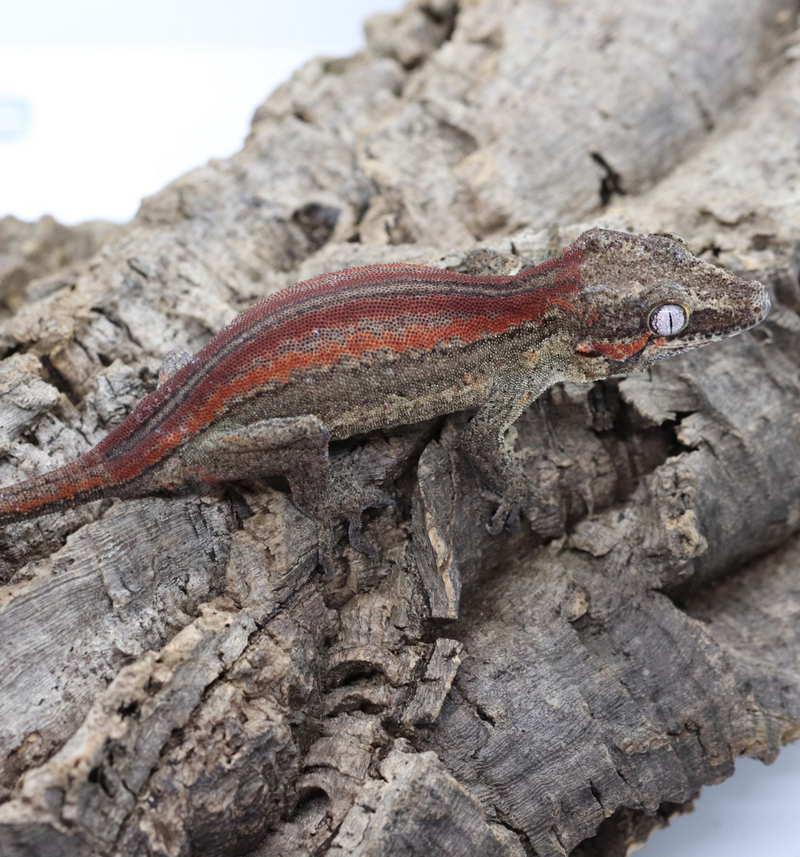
x=359 y=540
x=370 y=498
x=506 y=517
x=351 y=505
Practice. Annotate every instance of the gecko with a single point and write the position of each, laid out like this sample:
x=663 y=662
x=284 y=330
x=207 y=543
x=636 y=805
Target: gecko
x=390 y=344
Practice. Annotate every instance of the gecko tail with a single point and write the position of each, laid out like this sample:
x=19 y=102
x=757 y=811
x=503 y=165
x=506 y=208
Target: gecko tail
x=65 y=487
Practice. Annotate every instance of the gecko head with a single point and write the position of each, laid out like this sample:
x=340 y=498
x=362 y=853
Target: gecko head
x=646 y=297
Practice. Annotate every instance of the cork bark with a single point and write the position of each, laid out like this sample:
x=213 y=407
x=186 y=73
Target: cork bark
x=178 y=676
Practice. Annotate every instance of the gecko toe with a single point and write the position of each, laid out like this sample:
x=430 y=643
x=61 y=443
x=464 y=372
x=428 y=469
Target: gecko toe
x=506 y=517
x=360 y=541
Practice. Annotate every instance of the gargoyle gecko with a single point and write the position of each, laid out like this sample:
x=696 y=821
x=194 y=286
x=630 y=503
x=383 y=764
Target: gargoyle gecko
x=384 y=345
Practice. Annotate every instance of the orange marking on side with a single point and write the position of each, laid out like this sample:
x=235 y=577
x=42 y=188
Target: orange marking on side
x=614 y=350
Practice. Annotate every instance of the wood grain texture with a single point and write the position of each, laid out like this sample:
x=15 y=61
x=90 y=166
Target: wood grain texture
x=178 y=681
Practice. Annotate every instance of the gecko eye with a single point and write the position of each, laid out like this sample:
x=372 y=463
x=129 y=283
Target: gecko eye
x=669 y=319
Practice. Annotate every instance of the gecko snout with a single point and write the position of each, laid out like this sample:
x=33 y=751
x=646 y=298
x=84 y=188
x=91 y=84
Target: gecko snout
x=761 y=303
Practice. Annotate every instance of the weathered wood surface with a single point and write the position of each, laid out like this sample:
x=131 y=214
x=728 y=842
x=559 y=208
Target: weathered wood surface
x=178 y=679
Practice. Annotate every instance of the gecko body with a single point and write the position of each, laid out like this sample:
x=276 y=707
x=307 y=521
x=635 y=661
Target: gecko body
x=375 y=347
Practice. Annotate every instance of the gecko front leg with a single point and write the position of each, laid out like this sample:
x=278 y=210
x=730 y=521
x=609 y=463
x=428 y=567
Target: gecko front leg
x=483 y=443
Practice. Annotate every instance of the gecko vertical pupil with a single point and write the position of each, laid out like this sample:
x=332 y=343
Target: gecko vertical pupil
x=668 y=319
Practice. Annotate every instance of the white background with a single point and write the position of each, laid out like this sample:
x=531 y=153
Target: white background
x=103 y=102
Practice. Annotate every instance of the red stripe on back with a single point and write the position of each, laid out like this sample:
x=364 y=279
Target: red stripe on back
x=364 y=324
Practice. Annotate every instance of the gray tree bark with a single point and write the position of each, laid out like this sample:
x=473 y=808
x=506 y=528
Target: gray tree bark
x=178 y=678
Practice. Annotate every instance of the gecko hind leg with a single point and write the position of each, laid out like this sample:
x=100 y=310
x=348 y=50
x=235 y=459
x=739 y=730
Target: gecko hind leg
x=353 y=493
x=297 y=449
